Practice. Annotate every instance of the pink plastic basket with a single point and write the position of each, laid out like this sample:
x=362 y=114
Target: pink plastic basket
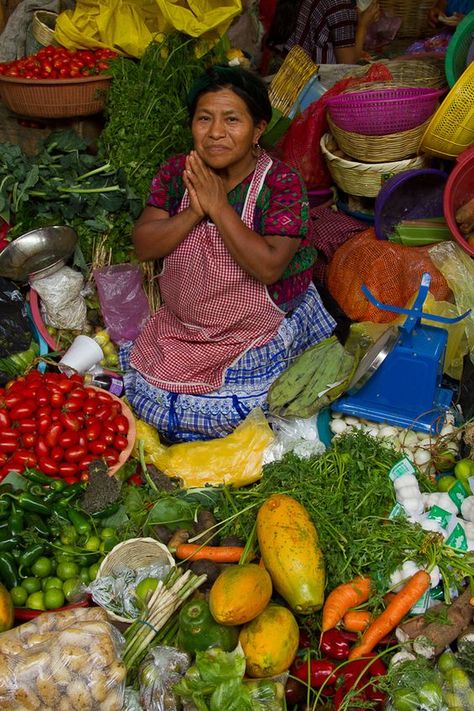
x=380 y=112
x=458 y=191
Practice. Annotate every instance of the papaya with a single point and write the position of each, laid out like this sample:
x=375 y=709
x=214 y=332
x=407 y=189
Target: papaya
x=270 y=641
x=240 y=593
x=7 y=615
x=290 y=550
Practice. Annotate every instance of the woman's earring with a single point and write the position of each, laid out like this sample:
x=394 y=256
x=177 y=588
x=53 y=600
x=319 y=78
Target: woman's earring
x=257 y=149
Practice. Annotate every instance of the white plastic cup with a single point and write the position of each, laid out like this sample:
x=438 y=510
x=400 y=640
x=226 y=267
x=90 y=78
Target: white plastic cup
x=82 y=355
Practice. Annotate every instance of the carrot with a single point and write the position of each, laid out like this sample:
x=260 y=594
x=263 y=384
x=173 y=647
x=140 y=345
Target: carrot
x=393 y=614
x=342 y=598
x=356 y=620
x=219 y=554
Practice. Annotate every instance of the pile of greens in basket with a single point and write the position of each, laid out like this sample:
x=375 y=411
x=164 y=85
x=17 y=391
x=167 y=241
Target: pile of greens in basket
x=65 y=184
x=147 y=119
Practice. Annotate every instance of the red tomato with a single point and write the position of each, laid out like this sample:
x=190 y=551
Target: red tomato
x=84 y=476
x=120 y=442
x=9 y=433
x=27 y=425
x=111 y=456
x=70 y=422
x=65 y=385
x=93 y=430
x=24 y=458
x=108 y=438
x=75 y=453
x=121 y=424
x=52 y=435
x=86 y=461
x=98 y=447
x=13 y=398
x=44 y=423
x=8 y=445
x=47 y=466
x=68 y=469
x=4 y=419
x=42 y=396
x=57 y=454
x=103 y=396
x=89 y=407
x=102 y=411
x=41 y=448
x=56 y=399
x=68 y=438
x=29 y=439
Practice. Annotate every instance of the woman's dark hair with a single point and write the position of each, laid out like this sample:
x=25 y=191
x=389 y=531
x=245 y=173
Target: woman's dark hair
x=248 y=86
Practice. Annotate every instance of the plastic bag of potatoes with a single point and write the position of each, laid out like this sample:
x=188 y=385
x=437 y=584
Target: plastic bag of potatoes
x=62 y=661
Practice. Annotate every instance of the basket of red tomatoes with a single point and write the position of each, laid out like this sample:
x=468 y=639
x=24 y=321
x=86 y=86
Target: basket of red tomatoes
x=56 y=82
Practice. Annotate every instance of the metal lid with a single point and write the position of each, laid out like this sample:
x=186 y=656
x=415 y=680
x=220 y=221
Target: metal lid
x=373 y=359
x=37 y=251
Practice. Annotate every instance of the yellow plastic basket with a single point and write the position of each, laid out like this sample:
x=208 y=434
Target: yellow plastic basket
x=451 y=130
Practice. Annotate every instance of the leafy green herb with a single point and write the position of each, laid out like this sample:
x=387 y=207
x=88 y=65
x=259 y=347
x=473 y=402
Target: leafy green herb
x=147 y=118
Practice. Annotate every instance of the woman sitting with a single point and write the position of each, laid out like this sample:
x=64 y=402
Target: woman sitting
x=232 y=227
x=333 y=31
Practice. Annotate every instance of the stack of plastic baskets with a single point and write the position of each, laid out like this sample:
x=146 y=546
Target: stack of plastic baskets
x=459 y=191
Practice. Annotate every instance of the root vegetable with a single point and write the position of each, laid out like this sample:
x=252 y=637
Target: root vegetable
x=206 y=567
x=436 y=635
x=218 y=554
x=465 y=217
x=356 y=620
x=205 y=521
x=341 y=599
x=177 y=539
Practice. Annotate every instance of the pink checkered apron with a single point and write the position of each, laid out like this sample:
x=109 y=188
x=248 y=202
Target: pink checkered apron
x=213 y=311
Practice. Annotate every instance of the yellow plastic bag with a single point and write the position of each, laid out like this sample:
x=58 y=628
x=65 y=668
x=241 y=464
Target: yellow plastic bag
x=235 y=460
x=128 y=26
x=152 y=446
x=366 y=332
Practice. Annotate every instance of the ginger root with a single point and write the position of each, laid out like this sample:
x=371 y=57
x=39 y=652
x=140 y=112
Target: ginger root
x=465 y=217
x=435 y=636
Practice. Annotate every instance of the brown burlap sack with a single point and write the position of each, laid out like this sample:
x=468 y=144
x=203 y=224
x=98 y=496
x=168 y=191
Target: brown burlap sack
x=391 y=272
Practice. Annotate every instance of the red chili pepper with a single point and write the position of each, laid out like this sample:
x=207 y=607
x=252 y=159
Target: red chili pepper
x=305 y=640
x=317 y=672
x=334 y=645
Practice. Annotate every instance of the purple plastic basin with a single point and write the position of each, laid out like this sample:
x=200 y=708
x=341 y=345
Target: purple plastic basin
x=413 y=194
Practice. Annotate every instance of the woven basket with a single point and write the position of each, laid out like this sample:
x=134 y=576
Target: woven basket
x=291 y=78
x=54 y=98
x=451 y=129
x=410 y=72
x=378 y=149
x=42 y=27
x=363 y=179
x=414 y=16
x=134 y=553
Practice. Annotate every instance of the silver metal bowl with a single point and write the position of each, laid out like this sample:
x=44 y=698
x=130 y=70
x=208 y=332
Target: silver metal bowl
x=37 y=253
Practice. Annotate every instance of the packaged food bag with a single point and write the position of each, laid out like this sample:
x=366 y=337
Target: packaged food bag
x=63 y=661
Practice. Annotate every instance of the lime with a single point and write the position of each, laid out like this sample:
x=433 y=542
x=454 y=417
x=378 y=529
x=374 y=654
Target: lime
x=42 y=567
x=31 y=585
x=92 y=543
x=84 y=575
x=464 y=468
x=446 y=482
x=52 y=583
x=93 y=570
x=457 y=679
x=68 y=535
x=444 y=461
x=53 y=598
x=67 y=569
x=107 y=532
x=70 y=588
x=108 y=543
x=446 y=661
x=35 y=601
x=431 y=695
x=67 y=552
x=146 y=588
x=18 y=596
x=405 y=700
x=453 y=701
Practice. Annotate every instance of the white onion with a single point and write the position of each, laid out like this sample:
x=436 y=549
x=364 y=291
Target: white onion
x=388 y=431
x=337 y=426
x=421 y=456
x=352 y=420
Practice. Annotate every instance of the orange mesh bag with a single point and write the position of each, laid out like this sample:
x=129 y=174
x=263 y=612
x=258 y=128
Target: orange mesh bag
x=390 y=271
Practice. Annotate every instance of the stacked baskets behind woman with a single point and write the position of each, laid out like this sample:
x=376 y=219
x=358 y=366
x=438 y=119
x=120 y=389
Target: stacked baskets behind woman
x=376 y=130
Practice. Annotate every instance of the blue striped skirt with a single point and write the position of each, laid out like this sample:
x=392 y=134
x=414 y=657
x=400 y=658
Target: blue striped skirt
x=179 y=417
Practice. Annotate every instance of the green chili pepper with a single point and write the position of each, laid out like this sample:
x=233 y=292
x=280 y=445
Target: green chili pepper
x=36 y=476
x=8 y=544
x=80 y=522
x=108 y=511
x=36 y=490
x=16 y=521
x=31 y=555
x=70 y=492
x=4 y=528
x=6 y=489
x=57 y=484
x=38 y=524
x=28 y=502
x=8 y=571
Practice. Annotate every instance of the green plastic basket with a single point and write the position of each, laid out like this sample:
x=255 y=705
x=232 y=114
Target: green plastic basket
x=458 y=48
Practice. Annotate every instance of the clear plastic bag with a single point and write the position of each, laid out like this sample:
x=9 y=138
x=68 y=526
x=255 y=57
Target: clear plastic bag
x=123 y=301
x=62 y=303
x=63 y=661
x=161 y=669
x=294 y=434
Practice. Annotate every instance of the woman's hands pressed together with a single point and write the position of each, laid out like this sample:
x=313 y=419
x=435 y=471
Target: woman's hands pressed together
x=206 y=189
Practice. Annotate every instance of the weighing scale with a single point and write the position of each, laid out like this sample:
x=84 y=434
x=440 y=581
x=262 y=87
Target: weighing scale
x=398 y=380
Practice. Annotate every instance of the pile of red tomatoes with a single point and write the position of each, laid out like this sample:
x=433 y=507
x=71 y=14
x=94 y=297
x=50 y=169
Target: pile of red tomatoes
x=57 y=425
x=59 y=63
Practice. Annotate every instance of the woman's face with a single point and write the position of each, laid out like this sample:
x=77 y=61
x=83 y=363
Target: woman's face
x=223 y=130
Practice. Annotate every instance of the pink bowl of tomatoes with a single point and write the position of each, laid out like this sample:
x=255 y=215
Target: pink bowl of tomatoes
x=58 y=425
x=56 y=82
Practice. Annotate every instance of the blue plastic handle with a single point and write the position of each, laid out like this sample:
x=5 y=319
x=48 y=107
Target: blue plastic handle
x=416 y=312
